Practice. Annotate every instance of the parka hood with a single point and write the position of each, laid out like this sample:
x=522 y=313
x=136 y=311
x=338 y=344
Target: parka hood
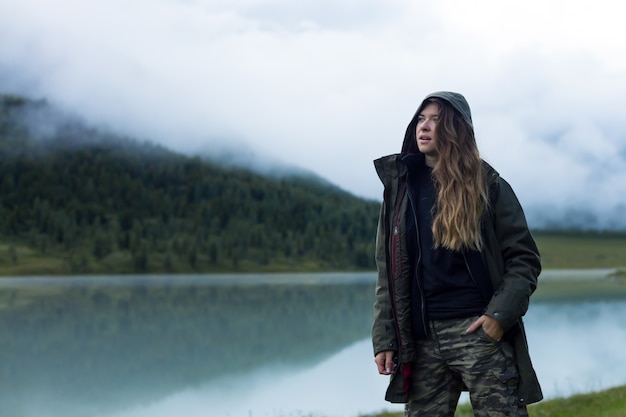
x=456 y=100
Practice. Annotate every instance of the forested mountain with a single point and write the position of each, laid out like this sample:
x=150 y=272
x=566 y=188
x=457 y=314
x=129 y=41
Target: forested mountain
x=94 y=202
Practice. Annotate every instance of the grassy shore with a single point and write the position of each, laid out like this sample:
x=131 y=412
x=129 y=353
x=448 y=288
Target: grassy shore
x=607 y=403
x=576 y=251
x=558 y=251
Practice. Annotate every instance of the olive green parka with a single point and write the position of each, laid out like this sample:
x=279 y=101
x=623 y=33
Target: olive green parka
x=510 y=256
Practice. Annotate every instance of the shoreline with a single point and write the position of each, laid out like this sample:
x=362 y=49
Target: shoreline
x=579 y=274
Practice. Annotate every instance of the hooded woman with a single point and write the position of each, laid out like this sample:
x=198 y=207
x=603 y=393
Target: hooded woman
x=456 y=268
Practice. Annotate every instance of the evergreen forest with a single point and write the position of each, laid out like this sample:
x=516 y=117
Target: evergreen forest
x=74 y=199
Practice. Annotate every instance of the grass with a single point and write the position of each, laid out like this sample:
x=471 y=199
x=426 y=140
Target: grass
x=558 y=251
x=607 y=403
x=570 y=290
x=574 y=251
x=18 y=259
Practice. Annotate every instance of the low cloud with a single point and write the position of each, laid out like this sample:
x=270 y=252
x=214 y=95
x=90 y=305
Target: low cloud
x=330 y=86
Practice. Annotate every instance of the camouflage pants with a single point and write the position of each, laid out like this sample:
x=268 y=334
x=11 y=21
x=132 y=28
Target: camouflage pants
x=450 y=359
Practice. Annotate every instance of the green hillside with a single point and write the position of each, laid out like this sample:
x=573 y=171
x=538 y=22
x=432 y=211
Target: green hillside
x=77 y=200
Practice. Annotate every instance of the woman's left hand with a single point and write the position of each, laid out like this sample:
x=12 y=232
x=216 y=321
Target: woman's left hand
x=491 y=326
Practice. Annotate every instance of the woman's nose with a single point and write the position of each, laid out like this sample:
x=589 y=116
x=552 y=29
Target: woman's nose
x=427 y=125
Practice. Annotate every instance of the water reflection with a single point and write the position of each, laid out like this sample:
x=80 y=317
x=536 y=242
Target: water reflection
x=250 y=346
x=95 y=346
x=344 y=385
x=578 y=347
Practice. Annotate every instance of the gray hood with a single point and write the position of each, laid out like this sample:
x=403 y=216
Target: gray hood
x=456 y=100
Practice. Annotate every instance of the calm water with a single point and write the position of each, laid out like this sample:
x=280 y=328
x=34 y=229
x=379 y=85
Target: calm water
x=247 y=345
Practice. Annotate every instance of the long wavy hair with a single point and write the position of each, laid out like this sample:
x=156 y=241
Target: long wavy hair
x=460 y=183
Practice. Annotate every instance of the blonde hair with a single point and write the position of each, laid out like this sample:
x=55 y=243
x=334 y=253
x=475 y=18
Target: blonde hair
x=461 y=191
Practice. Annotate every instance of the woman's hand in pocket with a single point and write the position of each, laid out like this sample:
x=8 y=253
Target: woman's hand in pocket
x=491 y=327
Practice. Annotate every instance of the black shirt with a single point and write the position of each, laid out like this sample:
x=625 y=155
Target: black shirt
x=448 y=287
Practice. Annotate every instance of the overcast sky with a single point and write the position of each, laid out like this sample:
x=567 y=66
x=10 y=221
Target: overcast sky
x=330 y=85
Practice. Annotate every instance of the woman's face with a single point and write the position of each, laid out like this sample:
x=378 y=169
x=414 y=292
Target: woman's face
x=425 y=134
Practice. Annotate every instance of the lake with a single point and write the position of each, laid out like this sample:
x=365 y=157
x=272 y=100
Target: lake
x=270 y=345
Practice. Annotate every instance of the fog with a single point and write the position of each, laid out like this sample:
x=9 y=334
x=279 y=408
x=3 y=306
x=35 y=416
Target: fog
x=328 y=86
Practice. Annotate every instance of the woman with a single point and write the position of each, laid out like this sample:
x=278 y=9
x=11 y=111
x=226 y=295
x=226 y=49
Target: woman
x=456 y=268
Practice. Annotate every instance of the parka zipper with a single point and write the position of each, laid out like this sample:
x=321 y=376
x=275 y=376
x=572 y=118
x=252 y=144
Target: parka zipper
x=416 y=266
x=394 y=248
x=396 y=230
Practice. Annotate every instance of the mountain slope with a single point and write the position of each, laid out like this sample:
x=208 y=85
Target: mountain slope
x=96 y=202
